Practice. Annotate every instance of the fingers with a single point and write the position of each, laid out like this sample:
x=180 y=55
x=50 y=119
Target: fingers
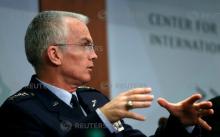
x=164 y=103
x=204 y=124
x=134 y=115
x=204 y=108
x=189 y=111
x=141 y=104
x=207 y=112
x=119 y=107
x=192 y=99
x=203 y=105
x=138 y=91
x=141 y=97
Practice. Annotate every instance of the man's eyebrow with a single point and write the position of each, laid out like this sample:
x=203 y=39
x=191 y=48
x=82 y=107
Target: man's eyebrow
x=86 y=40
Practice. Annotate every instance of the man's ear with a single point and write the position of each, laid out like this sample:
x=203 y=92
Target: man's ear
x=54 y=55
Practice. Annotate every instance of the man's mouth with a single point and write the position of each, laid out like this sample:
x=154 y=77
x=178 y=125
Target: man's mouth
x=90 y=68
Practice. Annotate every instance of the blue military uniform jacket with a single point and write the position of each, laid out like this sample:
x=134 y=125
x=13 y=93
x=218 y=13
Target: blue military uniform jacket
x=34 y=111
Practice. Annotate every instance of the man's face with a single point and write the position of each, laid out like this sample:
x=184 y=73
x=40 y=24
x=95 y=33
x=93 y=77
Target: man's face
x=78 y=56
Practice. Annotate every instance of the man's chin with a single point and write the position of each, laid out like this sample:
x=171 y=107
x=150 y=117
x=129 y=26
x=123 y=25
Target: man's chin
x=86 y=80
x=83 y=80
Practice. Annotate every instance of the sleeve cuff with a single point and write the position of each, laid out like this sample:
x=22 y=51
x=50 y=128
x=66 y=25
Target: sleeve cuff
x=113 y=128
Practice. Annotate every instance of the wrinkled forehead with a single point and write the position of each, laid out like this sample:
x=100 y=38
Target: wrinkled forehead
x=77 y=30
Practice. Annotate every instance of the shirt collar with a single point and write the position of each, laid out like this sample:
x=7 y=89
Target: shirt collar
x=62 y=94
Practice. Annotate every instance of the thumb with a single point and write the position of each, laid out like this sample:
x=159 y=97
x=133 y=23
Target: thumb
x=165 y=104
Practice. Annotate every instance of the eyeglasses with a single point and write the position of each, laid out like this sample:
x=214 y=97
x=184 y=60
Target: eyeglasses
x=85 y=47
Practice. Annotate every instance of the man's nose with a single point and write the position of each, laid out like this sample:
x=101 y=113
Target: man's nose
x=94 y=55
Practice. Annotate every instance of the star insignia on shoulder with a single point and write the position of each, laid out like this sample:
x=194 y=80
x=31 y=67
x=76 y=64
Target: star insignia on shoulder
x=20 y=95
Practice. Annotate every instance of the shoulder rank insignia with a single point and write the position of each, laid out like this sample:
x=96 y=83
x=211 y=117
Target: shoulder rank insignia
x=20 y=95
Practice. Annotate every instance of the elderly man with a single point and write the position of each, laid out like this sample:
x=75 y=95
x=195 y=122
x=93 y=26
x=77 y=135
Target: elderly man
x=59 y=47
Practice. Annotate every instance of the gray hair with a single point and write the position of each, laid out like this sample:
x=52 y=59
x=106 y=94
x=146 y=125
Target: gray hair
x=46 y=28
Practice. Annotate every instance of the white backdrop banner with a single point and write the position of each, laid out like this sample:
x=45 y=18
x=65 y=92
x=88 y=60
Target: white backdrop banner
x=171 y=46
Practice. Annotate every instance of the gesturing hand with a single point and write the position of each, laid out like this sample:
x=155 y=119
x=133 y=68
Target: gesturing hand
x=118 y=108
x=189 y=111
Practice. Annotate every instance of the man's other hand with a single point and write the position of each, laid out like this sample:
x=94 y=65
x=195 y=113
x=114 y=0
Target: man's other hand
x=189 y=111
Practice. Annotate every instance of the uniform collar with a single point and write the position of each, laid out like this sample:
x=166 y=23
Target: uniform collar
x=62 y=94
x=54 y=103
x=48 y=98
